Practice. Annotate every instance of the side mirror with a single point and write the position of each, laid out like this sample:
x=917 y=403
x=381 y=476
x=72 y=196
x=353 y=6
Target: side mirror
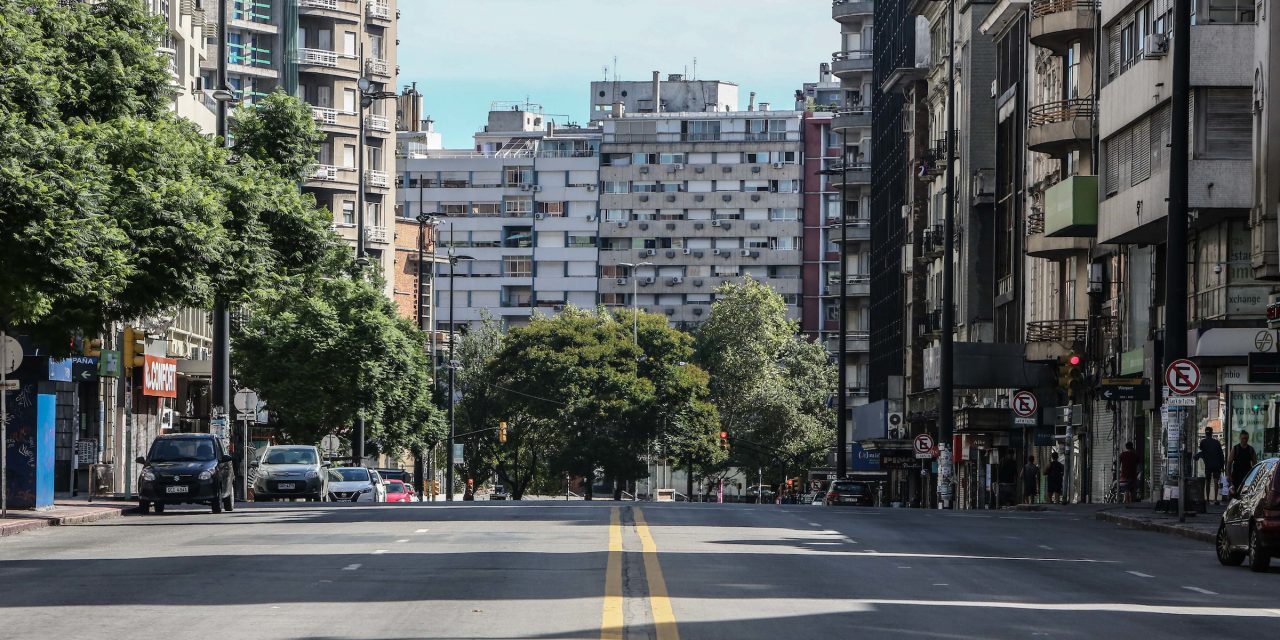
x=327 y=465
x=141 y=460
x=227 y=458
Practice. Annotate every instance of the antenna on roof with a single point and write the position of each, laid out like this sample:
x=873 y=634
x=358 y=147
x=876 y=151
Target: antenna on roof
x=695 y=69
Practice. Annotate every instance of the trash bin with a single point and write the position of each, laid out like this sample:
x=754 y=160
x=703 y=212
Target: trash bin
x=1193 y=500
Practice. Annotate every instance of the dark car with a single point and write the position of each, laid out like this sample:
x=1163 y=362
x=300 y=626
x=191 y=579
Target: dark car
x=842 y=492
x=186 y=468
x=395 y=474
x=1250 y=526
x=287 y=472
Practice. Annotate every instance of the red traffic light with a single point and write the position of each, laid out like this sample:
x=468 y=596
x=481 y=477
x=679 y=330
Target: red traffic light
x=1074 y=360
x=724 y=435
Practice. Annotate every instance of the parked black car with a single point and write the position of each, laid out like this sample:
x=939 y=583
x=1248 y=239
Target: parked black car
x=1250 y=526
x=186 y=468
x=849 y=492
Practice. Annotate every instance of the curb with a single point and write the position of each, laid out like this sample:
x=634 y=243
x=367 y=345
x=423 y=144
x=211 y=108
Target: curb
x=1160 y=527
x=14 y=528
x=36 y=521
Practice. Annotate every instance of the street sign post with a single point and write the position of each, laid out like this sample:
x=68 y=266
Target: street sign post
x=1182 y=376
x=1025 y=404
x=1123 y=389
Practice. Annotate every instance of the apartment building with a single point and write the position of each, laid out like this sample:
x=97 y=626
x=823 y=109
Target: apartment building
x=676 y=93
x=519 y=213
x=189 y=23
x=319 y=50
x=695 y=199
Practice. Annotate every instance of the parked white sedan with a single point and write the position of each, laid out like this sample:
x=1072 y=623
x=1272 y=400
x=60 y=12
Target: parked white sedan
x=353 y=484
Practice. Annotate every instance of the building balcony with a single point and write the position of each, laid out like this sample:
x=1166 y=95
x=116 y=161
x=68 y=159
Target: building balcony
x=854 y=342
x=853 y=230
x=1071 y=208
x=377 y=179
x=932 y=242
x=345 y=10
x=326 y=172
x=852 y=119
x=1066 y=331
x=849 y=10
x=853 y=175
x=377 y=11
x=851 y=64
x=1058 y=128
x=377 y=235
x=377 y=123
x=1057 y=24
x=325 y=115
x=377 y=67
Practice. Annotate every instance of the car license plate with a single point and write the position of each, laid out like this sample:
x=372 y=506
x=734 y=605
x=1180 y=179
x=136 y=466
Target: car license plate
x=177 y=488
x=286 y=486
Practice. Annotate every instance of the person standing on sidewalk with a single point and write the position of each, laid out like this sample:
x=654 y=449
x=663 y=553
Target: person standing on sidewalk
x=1030 y=481
x=1211 y=454
x=1242 y=459
x=1128 y=472
x=1054 y=472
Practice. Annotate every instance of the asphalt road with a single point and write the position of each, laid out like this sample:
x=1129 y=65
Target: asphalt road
x=618 y=570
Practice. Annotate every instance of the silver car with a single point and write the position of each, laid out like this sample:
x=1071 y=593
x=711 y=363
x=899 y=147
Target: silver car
x=289 y=472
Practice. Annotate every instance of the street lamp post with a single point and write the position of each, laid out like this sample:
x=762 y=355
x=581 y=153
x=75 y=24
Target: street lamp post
x=221 y=373
x=635 y=293
x=453 y=365
x=367 y=96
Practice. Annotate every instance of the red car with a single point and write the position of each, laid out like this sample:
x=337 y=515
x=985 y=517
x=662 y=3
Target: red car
x=398 y=491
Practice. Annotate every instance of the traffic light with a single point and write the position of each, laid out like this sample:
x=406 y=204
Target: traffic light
x=1070 y=370
x=502 y=432
x=724 y=439
x=93 y=348
x=135 y=346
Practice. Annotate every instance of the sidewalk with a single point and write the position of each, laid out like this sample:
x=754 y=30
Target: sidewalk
x=64 y=511
x=1198 y=526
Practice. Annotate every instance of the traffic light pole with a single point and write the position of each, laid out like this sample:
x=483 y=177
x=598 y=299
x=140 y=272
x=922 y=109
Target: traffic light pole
x=1175 y=299
x=221 y=404
x=946 y=415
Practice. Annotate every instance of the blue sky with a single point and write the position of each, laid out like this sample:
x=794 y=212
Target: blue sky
x=466 y=53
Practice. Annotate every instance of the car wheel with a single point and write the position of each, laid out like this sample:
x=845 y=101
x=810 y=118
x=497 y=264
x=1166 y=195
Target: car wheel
x=1226 y=555
x=144 y=506
x=216 y=505
x=159 y=507
x=1259 y=560
x=229 y=503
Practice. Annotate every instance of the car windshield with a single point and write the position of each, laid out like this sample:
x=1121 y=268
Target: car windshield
x=290 y=456
x=181 y=450
x=395 y=486
x=352 y=474
x=849 y=487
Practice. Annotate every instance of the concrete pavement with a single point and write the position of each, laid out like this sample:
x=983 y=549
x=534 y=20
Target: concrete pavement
x=620 y=570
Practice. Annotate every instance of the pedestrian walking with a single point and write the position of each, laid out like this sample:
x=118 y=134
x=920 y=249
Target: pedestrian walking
x=1242 y=459
x=1128 y=472
x=1211 y=455
x=1054 y=473
x=1030 y=481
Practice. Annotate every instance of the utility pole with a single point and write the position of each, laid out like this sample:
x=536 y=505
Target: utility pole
x=946 y=415
x=221 y=404
x=1175 y=299
x=842 y=386
x=4 y=424
x=419 y=472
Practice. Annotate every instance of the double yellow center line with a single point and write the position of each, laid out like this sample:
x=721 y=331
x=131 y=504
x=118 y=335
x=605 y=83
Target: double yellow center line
x=612 y=622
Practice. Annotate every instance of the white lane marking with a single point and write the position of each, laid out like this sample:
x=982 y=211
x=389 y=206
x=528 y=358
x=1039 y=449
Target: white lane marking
x=404 y=540
x=814 y=524
x=1234 y=612
x=351 y=567
x=850 y=540
x=422 y=531
x=1046 y=547
x=903 y=567
x=379 y=552
x=941 y=584
x=1139 y=574
x=1199 y=590
x=951 y=556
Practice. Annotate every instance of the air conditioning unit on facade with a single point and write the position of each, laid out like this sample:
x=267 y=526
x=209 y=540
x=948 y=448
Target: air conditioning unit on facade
x=670 y=311
x=1155 y=45
x=715 y=223
x=651 y=252
x=622 y=224
x=675 y=280
x=535 y=188
x=777 y=165
x=525 y=187
x=591 y=187
x=746 y=253
x=620 y=281
x=539 y=216
x=688 y=251
x=646 y=281
x=644 y=169
x=679 y=166
x=558 y=307
x=591 y=217
x=715 y=252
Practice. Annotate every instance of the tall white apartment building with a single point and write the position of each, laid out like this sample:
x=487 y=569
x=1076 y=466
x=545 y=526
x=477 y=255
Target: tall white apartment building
x=695 y=199
x=518 y=210
x=184 y=45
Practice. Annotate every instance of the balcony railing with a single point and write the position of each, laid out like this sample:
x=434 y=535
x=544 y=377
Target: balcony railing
x=318 y=4
x=376 y=179
x=377 y=123
x=326 y=172
x=1061 y=111
x=325 y=115
x=377 y=10
x=320 y=57
x=376 y=234
x=1072 y=330
x=1042 y=8
x=376 y=66
x=851 y=54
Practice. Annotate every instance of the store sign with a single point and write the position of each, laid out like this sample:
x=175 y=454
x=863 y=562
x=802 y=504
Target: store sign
x=84 y=368
x=109 y=364
x=159 y=377
x=863 y=460
x=60 y=370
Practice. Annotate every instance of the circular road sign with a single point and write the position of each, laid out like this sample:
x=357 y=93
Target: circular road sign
x=1025 y=404
x=1182 y=376
x=923 y=443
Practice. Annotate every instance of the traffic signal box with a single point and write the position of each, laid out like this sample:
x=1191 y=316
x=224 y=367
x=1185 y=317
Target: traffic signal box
x=135 y=348
x=1070 y=371
x=502 y=432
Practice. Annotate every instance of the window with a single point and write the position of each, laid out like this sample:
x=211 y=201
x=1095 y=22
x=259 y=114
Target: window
x=758 y=157
x=373 y=211
x=348 y=43
x=644 y=158
x=455 y=179
x=517 y=206
x=517 y=266
x=375 y=46
x=581 y=242
x=349 y=156
x=671 y=158
x=1224 y=122
x=626 y=130
x=486 y=208
x=671 y=187
x=616 y=215
x=644 y=187
x=518 y=175
x=348 y=212
x=453 y=208
x=1225 y=12
x=784 y=214
x=552 y=209
x=702 y=130
x=784 y=186
x=775 y=129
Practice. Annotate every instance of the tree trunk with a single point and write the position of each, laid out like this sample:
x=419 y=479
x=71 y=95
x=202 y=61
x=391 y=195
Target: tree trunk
x=688 y=489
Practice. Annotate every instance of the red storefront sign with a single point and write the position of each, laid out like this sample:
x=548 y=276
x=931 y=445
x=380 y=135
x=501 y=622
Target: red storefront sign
x=159 y=377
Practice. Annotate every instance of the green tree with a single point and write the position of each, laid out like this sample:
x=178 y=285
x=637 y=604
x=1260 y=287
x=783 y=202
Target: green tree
x=769 y=383
x=279 y=131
